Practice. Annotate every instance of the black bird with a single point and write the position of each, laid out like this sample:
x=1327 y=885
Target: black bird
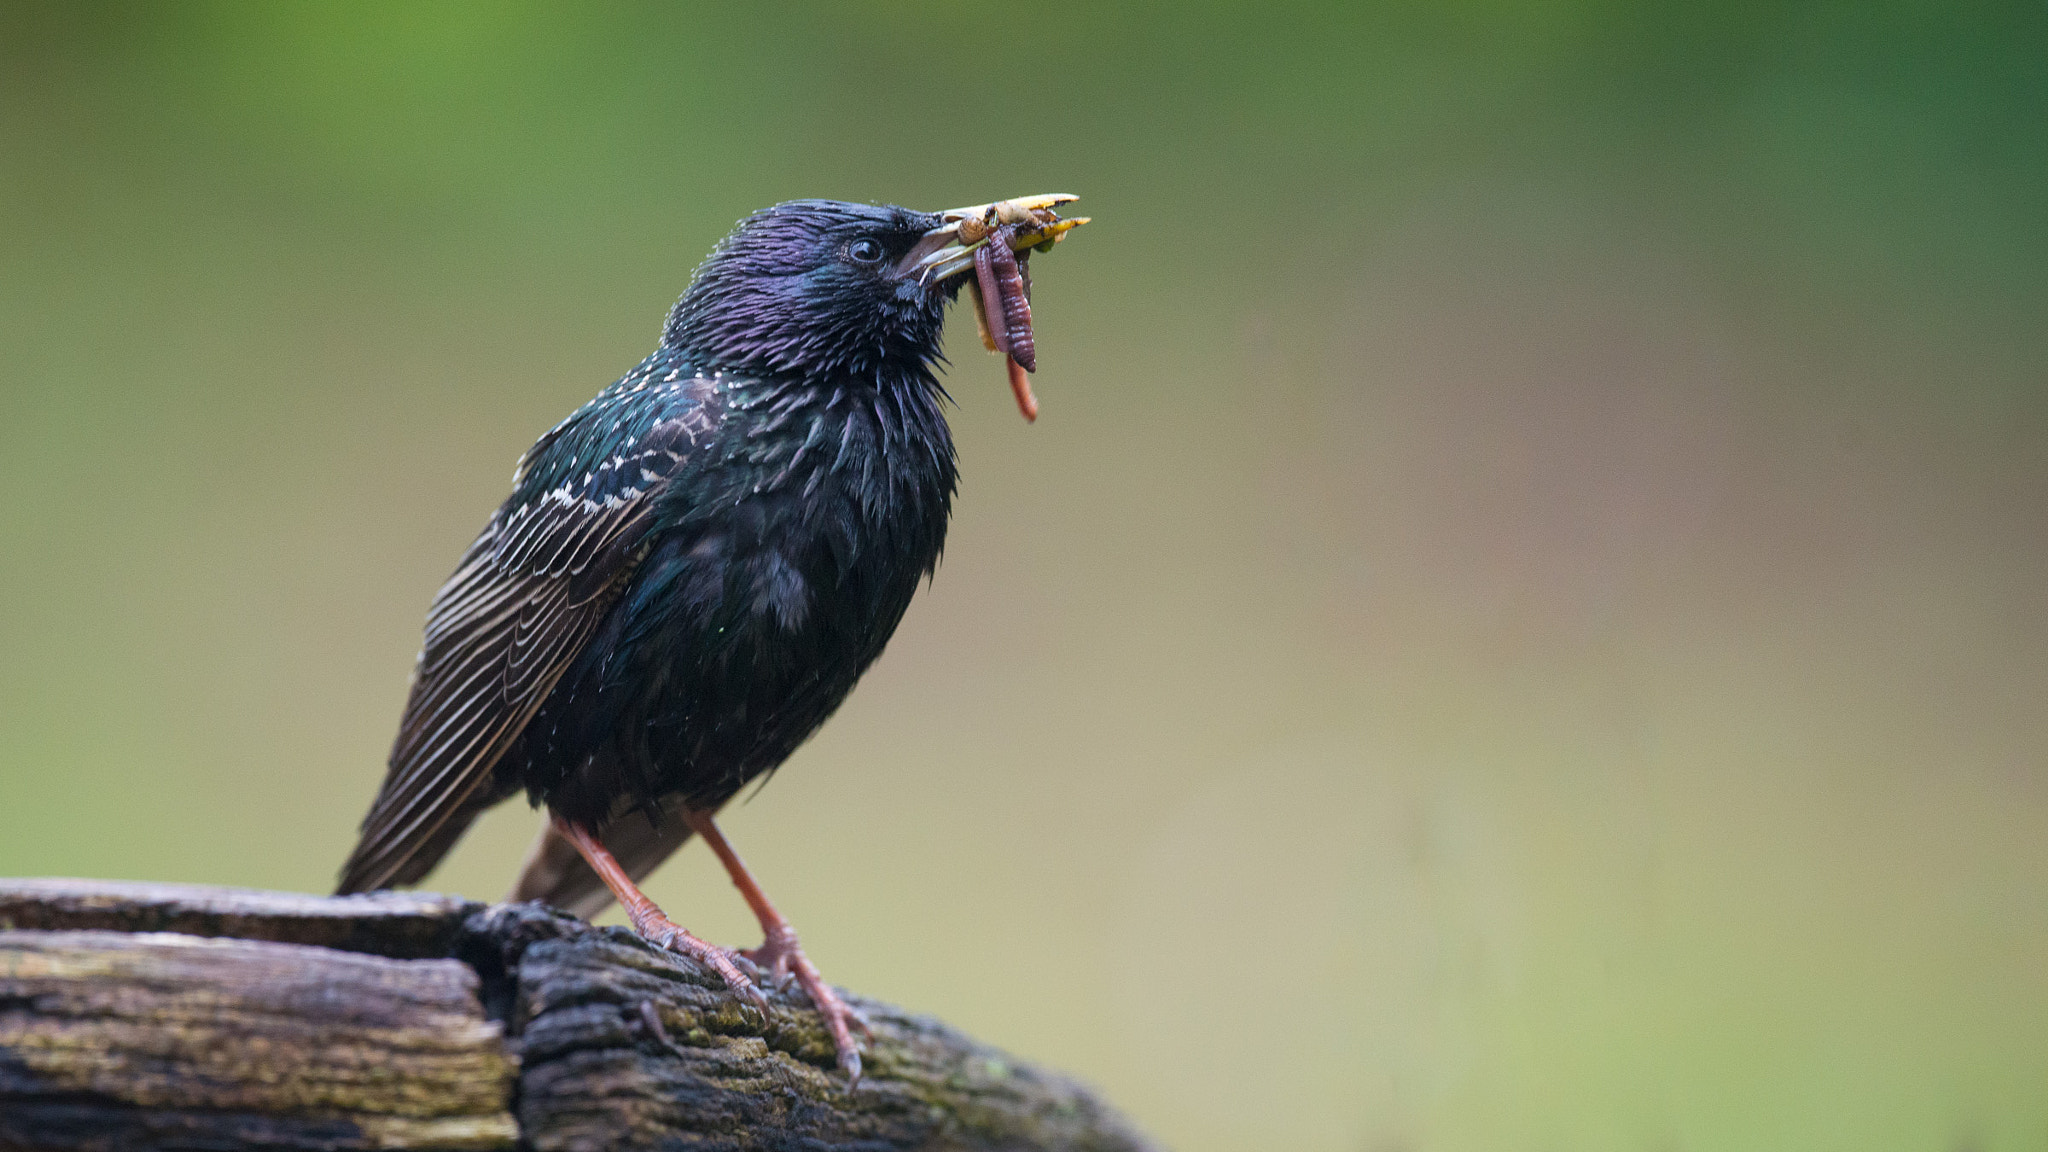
x=695 y=567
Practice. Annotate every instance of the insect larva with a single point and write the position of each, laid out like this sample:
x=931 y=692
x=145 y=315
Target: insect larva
x=981 y=328
x=989 y=290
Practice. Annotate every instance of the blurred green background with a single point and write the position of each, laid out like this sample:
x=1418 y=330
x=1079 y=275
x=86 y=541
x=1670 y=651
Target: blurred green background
x=1523 y=624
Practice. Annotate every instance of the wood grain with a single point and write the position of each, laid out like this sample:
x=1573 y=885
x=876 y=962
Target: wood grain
x=120 y=1040
x=483 y=1027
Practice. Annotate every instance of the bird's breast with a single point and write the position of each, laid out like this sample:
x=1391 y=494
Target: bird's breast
x=777 y=568
x=796 y=550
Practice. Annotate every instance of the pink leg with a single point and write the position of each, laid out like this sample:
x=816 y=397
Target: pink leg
x=648 y=920
x=780 y=953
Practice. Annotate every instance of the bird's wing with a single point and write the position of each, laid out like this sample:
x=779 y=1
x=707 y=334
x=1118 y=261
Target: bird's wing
x=525 y=599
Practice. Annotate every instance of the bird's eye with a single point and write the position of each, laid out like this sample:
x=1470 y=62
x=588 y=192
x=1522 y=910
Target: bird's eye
x=865 y=251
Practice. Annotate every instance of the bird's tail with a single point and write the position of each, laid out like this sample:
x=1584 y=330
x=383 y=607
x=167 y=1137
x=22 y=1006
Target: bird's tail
x=367 y=869
x=555 y=873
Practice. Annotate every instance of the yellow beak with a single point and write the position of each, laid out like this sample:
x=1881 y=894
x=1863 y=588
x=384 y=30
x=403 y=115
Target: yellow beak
x=948 y=249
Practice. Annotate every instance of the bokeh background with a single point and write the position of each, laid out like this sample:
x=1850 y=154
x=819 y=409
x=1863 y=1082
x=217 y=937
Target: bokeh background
x=1522 y=626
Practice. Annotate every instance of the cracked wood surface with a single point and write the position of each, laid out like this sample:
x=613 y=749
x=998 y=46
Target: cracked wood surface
x=140 y=1016
x=113 y=1039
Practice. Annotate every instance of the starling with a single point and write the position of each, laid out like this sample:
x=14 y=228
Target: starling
x=695 y=567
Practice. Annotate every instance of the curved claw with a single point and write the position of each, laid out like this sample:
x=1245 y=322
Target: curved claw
x=783 y=956
x=665 y=933
x=771 y=972
x=860 y=1021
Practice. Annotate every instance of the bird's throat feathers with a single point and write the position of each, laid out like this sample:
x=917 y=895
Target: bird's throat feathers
x=887 y=445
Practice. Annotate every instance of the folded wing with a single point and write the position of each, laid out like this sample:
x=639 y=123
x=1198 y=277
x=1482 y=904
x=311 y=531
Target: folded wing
x=526 y=598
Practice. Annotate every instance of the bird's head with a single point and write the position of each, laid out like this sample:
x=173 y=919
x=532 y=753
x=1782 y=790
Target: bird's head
x=824 y=287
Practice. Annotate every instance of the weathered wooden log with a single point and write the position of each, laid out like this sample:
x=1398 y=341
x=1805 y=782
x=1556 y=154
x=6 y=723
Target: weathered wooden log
x=166 y=1016
x=401 y=925
x=111 y=1039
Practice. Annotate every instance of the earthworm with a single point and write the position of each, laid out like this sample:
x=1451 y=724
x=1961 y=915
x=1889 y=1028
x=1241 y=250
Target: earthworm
x=1003 y=289
x=1016 y=307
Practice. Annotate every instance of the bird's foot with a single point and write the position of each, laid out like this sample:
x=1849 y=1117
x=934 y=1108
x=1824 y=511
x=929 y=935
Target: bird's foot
x=648 y=1023
x=663 y=932
x=779 y=958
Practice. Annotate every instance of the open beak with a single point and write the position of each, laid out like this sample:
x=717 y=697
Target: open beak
x=1001 y=287
x=946 y=251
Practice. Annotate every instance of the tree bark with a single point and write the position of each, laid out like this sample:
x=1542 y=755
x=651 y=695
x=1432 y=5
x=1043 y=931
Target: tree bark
x=146 y=1016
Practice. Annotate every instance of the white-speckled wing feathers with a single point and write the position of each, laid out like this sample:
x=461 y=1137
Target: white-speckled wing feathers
x=526 y=598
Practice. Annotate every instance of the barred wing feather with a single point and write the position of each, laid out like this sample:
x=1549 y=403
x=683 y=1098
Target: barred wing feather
x=526 y=598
